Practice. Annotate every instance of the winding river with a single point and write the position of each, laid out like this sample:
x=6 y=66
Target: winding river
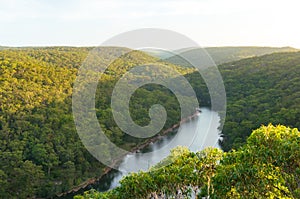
x=197 y=134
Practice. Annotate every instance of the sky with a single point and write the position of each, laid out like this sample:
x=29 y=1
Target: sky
x=208 y=22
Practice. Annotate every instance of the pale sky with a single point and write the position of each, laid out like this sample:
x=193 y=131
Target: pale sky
x=208 y=22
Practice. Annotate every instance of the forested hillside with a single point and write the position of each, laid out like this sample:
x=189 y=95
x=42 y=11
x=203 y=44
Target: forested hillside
x=228 y=54
x=221 y=55
x=40 y=152
x=259 y=90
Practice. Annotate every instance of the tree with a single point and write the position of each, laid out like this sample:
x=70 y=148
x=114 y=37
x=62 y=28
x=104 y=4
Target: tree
x=266 y=167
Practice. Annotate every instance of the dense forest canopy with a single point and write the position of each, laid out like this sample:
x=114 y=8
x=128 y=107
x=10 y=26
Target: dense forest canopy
x=41 y=154
x=259 y=91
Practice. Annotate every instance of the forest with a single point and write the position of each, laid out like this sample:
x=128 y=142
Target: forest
x=41 y=154
x=259 y=90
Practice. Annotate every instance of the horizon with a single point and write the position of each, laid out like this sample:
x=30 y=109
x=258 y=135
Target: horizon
x=230 y=46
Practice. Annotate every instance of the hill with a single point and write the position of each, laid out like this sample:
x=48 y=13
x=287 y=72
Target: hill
x=222 y=55
x=40 y=151
x=228 y=54
x=3 y=47
x=259 y=90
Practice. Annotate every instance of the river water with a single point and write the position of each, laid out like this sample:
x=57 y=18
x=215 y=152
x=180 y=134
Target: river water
x=197 y=134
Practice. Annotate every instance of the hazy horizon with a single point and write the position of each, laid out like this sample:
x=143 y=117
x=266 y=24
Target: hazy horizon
x=93 y=46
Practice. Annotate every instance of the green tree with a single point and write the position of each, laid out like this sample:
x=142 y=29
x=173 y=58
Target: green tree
x=266 y=167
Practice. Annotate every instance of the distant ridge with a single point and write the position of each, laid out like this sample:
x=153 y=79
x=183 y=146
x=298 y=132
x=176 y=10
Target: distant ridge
x=227 y=54
x=3 y=47
x=222 y=55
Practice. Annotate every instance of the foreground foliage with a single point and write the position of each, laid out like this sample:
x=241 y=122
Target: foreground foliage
x=266 y=167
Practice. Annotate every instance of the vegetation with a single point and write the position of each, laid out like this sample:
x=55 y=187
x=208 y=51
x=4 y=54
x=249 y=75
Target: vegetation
x=41 y=154
x=266 y=167
x=229 y=54
x=221 y=55
x=40 y=151
x=259 y=90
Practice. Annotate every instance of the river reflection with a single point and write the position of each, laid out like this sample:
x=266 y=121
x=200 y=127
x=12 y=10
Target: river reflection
x=196 y=134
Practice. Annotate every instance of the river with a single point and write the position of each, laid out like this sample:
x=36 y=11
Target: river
x=196 y=134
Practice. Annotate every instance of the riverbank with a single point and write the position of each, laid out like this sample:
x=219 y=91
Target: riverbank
x=85 y=185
